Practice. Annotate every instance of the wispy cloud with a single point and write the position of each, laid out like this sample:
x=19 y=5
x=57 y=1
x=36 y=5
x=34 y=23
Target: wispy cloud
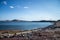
x=11 y=6
x=18 y=6
x=26 y=7
x=5 y=2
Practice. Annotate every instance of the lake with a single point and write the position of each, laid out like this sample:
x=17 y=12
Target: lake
x=23 y=25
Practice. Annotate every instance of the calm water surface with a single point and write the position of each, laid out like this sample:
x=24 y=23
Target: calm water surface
x=23 y=25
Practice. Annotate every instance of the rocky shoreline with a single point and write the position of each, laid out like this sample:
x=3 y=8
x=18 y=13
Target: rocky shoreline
x=51 y=32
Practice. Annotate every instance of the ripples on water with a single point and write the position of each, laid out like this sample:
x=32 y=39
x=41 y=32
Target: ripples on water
x=23 y=25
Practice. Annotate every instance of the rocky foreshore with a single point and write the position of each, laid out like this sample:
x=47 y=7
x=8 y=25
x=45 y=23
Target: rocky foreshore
x=51 y=32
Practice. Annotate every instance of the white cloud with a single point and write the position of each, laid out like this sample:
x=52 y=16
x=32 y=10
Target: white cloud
x=11 y=6
x=26 y=7
x=4 y=2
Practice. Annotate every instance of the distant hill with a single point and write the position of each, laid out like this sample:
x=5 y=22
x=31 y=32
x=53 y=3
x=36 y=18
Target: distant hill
x=16 y=20
x=44 y=21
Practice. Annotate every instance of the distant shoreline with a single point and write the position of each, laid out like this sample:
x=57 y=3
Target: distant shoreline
x=27 y=21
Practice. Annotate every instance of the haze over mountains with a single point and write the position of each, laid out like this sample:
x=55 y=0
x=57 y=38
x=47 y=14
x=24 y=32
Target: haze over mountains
x=16 y=20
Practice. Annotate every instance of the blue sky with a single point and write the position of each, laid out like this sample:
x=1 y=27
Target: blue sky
x=30 y=9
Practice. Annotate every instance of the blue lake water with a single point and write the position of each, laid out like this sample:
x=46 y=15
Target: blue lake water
x=23 y=25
